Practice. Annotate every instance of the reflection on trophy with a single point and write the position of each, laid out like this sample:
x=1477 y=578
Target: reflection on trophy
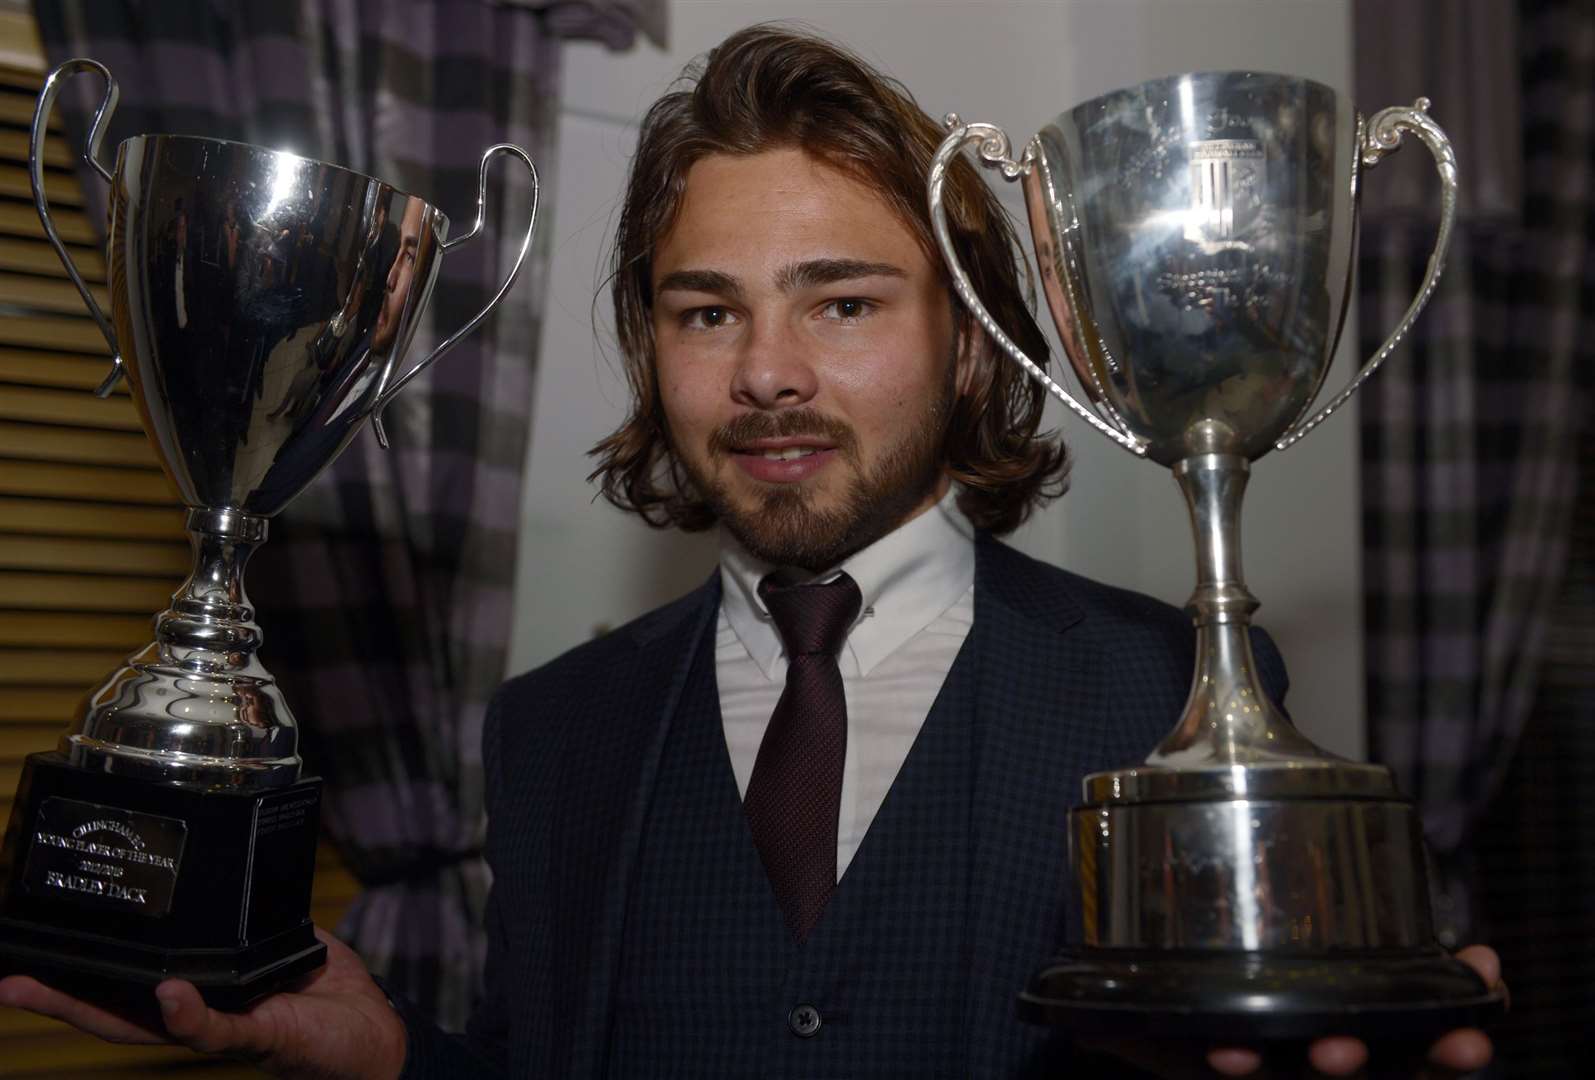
x=1194 y=237
x=260 y=305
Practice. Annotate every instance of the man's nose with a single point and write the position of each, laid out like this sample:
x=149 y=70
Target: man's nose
x=774 y=369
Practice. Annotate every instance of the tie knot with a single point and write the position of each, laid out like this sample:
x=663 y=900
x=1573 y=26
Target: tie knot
x=813 y=619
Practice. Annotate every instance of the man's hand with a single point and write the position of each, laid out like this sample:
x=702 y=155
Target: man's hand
x=1456 y=1052
x=337 y=1025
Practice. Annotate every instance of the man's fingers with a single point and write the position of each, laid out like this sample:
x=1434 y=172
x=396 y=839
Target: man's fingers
x=19 y=991
x=193 y=1023
x=1482 y=959
x=1231 y=1061
x=1338 y=1055
x=1464 y=1050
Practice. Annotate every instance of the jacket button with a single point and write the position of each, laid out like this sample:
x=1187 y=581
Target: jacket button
x=804 y=1020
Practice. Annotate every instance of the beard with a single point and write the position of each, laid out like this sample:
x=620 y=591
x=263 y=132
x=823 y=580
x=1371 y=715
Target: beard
x=784 y=527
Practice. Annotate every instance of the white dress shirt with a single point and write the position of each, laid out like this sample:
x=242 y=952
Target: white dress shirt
x=918 y=604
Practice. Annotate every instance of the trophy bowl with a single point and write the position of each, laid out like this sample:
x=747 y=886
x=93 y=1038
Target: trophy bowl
x=261 y=304
x=1194 y=237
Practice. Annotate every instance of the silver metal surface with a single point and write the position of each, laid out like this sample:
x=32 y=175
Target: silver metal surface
x=261 y=304
x=91 y=156
x=1194 y=237
x=1200 y=233
x=993 y=147
x=1293 y=875
x=509 y=150
x=1231 y=740
x=196 y=704
x=1380 y=136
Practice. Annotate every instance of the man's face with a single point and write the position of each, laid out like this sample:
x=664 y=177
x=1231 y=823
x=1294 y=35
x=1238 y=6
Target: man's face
x=805 y=351
x=400 y=276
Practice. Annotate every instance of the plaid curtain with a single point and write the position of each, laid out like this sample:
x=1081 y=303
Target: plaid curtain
x=385 y=588
x=1469 y=438
x=1536 y=844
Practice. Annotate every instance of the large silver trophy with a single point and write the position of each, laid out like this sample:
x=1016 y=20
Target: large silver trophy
x=1194 y=237
x=261 y=304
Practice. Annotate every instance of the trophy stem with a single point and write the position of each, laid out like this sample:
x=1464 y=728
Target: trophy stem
x=1242 y=883
x=1229 y=718
x=196 y=705
x=211 y=624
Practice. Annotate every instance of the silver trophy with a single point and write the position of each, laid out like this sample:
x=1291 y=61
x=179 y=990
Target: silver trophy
x=261 y=304
x=1194 y=237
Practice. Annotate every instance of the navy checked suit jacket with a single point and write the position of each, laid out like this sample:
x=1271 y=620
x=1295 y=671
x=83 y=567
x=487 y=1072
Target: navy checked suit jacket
x=1074 y=676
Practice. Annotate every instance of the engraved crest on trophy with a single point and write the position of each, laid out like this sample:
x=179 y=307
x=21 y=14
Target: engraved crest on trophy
x=1228 y=181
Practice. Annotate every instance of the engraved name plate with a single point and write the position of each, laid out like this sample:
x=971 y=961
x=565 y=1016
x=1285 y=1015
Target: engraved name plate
x=104 y=856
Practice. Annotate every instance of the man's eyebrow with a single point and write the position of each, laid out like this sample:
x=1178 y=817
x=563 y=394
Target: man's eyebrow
x=708 y=281
x=812 y=272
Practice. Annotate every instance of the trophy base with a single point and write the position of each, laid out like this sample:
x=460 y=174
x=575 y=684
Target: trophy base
x=110 y=884
x=1229 y=997
x=125 y=975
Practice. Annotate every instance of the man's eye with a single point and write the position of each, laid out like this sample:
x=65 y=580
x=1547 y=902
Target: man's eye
x=707 y=318
x=847 y=309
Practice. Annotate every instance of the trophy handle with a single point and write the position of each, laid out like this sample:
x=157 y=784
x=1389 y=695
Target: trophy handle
x=91 y=156
x=993 y=146
x=512 y=150
x=1382 y=134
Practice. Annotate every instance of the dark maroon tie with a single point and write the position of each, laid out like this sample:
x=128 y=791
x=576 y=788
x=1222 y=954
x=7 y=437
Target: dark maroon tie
x=795 y=793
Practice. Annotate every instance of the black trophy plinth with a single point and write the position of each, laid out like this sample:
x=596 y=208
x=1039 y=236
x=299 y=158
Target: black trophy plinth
x=109 y=885
x=1241 y=998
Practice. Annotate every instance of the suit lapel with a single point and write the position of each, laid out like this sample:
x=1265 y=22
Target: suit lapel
x=1036 y=720
x=599 y=818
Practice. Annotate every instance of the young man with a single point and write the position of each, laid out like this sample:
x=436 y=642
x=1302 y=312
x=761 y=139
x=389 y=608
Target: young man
x=809 y=819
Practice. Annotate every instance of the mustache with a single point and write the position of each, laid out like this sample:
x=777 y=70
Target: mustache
x=785 y=424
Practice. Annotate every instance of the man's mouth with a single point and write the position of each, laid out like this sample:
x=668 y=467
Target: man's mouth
x=782 y=460
x=787 y=453
x=785 y=448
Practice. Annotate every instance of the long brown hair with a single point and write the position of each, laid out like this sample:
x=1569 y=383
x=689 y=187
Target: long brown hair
x=769 y=87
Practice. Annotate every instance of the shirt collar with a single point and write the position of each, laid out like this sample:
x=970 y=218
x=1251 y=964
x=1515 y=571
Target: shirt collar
x=907 y=578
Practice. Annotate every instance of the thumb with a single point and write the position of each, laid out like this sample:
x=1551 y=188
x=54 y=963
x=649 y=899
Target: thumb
x=196 y=1025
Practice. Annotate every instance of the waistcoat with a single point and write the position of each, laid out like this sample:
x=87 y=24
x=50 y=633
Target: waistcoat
x=711 y=983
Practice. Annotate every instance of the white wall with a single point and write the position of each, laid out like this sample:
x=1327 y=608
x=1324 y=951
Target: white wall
x=1016 y=63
